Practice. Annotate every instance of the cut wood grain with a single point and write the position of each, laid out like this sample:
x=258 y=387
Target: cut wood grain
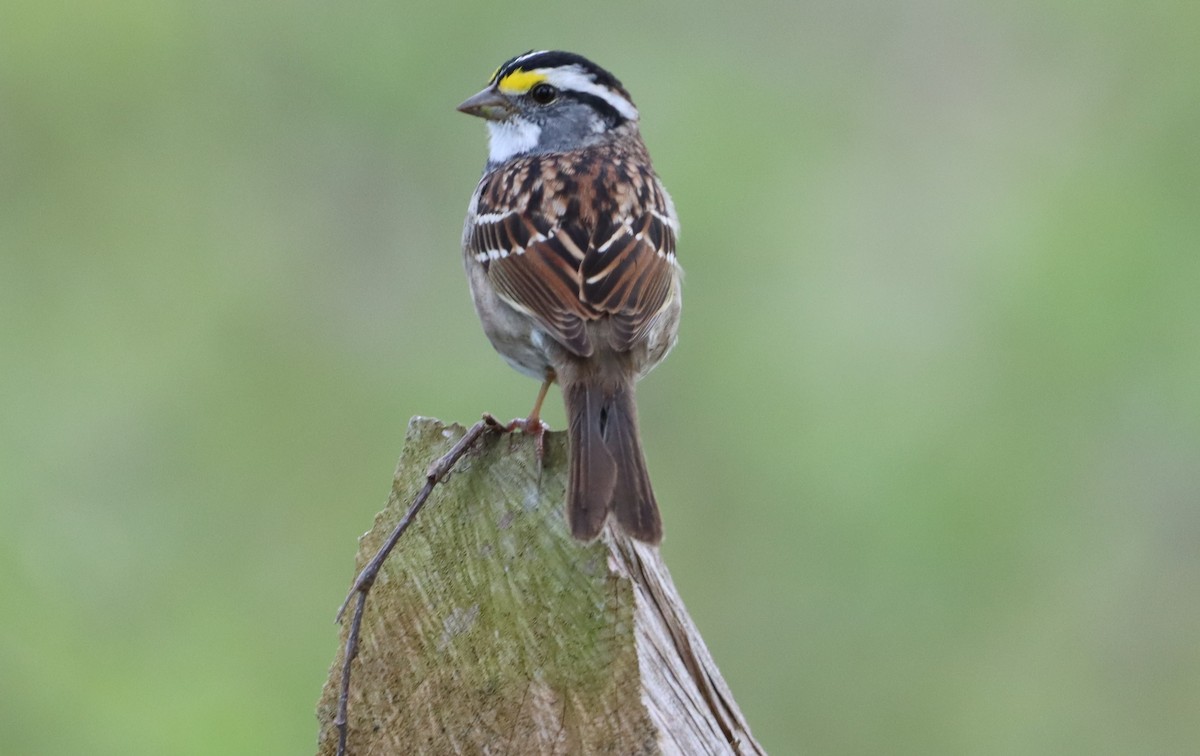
x=490 y=630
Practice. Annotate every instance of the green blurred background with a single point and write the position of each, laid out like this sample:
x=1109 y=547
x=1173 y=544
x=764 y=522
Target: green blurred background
x=928 y=450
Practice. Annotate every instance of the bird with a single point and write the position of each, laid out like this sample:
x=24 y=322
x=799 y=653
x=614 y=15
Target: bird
x=569 y=249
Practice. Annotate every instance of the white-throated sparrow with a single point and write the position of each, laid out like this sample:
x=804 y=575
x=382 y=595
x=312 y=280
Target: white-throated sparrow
x=569 y=247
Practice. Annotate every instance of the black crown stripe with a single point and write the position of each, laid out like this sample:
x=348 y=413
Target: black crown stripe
x=558 y=59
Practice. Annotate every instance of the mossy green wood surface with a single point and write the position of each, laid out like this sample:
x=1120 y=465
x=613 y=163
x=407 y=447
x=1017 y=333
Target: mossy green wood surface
x=490 y=630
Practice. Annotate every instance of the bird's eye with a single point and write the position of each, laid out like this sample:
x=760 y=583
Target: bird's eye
x=543 y=94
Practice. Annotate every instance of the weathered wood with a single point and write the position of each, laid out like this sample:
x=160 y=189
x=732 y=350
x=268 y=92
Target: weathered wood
x=490 y=630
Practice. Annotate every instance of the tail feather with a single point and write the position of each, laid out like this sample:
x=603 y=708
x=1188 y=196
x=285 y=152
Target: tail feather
x=633 y=500
x=607 y=468
x=593 y=469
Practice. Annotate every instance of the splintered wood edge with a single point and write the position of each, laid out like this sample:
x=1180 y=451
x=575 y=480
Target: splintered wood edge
x=489 y=624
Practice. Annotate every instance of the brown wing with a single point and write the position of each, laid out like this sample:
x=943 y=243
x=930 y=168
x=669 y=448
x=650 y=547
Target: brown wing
x=629 y=276
x=564 y=279
x=534 y=266
x=593 y=241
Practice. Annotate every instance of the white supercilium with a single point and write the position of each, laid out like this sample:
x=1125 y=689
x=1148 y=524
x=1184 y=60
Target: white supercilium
x=573 y=77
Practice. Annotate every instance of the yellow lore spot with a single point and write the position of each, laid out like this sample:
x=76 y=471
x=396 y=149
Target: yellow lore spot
x=520 y=82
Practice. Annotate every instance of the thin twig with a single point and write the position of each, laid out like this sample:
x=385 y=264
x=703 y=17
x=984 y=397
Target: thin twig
x=344 y=691
x=366 y=578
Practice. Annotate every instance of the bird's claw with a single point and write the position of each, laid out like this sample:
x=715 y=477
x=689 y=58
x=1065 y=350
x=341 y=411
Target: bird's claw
x=530 y=426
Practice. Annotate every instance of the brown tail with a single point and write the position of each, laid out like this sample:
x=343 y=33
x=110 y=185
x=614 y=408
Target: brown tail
x=608 y=470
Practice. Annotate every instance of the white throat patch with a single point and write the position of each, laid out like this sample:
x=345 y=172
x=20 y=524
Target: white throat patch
x=509 y=138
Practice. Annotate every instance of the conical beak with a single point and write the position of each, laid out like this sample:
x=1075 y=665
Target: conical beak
x=488 y=104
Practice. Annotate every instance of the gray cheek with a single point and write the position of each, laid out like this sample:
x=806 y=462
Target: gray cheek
x=568 y=127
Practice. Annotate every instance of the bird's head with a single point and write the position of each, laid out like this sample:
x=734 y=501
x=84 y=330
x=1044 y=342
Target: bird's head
x=549 y=101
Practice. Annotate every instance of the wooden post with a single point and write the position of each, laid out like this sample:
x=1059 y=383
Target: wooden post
x=490 y=630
